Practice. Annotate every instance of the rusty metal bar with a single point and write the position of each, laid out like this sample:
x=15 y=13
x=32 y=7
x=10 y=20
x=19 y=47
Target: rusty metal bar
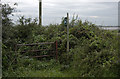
x=35 y=50
x=42 y=56
x=35 y=44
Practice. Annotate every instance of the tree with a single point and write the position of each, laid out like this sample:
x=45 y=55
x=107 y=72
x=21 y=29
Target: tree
x=7 y=23
x=6 y=11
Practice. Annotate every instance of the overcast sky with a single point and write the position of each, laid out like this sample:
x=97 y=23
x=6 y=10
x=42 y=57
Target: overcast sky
x=102 y=12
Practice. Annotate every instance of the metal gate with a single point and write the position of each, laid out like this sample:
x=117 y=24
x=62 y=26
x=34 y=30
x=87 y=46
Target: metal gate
x=36 y=44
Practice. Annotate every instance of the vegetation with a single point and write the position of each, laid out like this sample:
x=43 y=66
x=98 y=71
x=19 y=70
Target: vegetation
x=93 y=52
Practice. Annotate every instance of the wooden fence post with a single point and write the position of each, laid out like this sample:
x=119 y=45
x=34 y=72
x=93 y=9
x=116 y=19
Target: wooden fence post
x=67 y=32
x=40 y=12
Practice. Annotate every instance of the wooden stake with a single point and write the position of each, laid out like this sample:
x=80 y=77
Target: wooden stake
x=40 y=12
x=67 y=32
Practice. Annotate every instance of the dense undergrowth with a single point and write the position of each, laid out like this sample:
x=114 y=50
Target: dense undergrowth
x=93 y=52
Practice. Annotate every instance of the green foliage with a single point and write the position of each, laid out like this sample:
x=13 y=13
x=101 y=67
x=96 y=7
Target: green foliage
x=6 y=23
x=7 y=10
x=93 y=52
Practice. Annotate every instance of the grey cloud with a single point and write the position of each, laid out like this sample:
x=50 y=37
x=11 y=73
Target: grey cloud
x=105 y=11
x=54 y=10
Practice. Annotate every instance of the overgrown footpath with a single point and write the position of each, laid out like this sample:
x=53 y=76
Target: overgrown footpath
x=93 y=52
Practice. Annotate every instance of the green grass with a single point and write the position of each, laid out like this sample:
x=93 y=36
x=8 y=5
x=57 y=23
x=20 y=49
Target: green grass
x=42 y=69
x=55 y=72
